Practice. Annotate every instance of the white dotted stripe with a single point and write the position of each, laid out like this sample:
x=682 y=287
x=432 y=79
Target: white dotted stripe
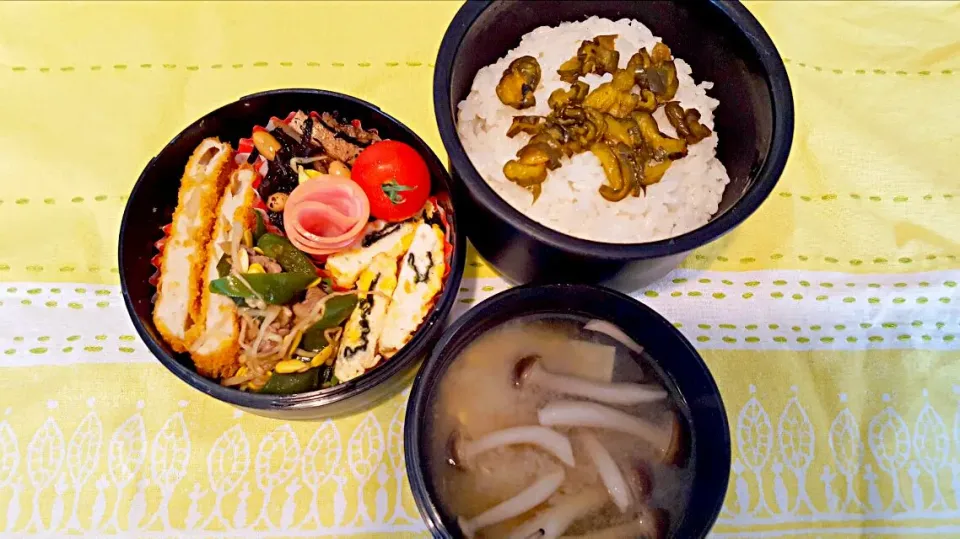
x=67 y=323
x=59 y=296
x=793 y=310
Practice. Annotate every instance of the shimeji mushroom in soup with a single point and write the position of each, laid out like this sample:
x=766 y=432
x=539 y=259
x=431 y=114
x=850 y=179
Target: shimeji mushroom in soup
x=552 y=425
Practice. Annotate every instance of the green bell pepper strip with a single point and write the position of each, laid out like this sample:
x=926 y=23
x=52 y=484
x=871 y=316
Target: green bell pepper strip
x=274 y=288
x=260 y=228
x=332 y=381
x=337 y=309
x=224 y=265
x=290 y=258
x=287 y=384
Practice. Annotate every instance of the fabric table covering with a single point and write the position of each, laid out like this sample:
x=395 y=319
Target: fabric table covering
x=830 y=318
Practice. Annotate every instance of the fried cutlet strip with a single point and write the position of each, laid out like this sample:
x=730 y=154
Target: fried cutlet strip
x=215 y=337
x=183 y=261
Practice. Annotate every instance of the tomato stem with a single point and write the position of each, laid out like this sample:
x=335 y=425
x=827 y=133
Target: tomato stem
x=393 y=189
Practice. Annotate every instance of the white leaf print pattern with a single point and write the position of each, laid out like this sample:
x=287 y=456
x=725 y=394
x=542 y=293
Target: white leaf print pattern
x=364 y=454
x=83 y=456
x=127 y=451
x=83 y=451
x=395 y=438
x=796 y=439
x=277 y=459
x=754 y=441
x=322 y=454
x=228 y=460
x=889 y=441
x=170 y=453
x=931 y=445
x=321 y=458
x=169 y=456
x=9 y=454
x=847 y=447
x=395 y=454
x=125 y=455
x=227 y=464
x=956 y=420
x=45 y=454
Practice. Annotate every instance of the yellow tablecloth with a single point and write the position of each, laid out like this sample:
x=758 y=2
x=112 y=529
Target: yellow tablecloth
x=830 y=318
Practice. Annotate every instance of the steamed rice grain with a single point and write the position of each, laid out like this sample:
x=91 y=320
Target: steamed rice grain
x=683 y=200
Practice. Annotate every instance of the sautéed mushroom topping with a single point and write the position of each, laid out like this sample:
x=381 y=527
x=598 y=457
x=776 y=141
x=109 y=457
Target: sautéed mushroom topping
x=613 y=121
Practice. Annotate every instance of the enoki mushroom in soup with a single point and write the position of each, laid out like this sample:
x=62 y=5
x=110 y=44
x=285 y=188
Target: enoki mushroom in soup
x=550 y=398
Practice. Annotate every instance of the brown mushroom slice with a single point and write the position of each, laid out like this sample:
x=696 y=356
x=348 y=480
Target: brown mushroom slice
x=630 y=172
x=653 y=171
x=608 y=56
x=546 y=138
x=640 y=60
x=610 y=474
x=574 y=95
x=518 y=83
x=622 y=81
x=660 y=53
x=525 y=175
x=668 y=72
x=630 y=169
x=666 y=440
x=525 y=124
x=624 y=105
x=686 y=122
x=529 y=371
x=646 y=102
x=526 y=500
x=662 y=145
x=614 y=332
x=552 y=522
x=675 y=115
x=606 y=98
x=651 y=79
x=569 y=71
x=598 y=56
x=595 y=122
x=555 y=130
x=647 y=524
x=698 y=131
x=611 y=167
x=622 y=130
x=539 y=153
x=461 y=451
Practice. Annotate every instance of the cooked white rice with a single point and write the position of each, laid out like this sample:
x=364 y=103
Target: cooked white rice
x=683 y=200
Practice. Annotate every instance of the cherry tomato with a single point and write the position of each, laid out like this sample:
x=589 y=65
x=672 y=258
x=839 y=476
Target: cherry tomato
x=395 y=179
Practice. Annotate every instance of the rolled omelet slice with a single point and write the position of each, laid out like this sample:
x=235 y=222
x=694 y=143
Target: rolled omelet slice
x=419 y=282
x=214 y=339
x=183 y=260
x=358 y=346
x=380 y=237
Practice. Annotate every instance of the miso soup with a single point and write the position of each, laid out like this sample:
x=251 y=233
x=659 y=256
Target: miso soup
x=550 y=426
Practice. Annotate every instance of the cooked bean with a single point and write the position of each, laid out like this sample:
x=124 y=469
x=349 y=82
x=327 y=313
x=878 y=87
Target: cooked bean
x=338 y=169
x=277 y=201
x=266 y=144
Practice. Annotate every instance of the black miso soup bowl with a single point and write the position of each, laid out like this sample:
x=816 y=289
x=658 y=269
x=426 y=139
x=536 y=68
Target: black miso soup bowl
x=687 y=377
x=722 y=42
x=151 y=206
